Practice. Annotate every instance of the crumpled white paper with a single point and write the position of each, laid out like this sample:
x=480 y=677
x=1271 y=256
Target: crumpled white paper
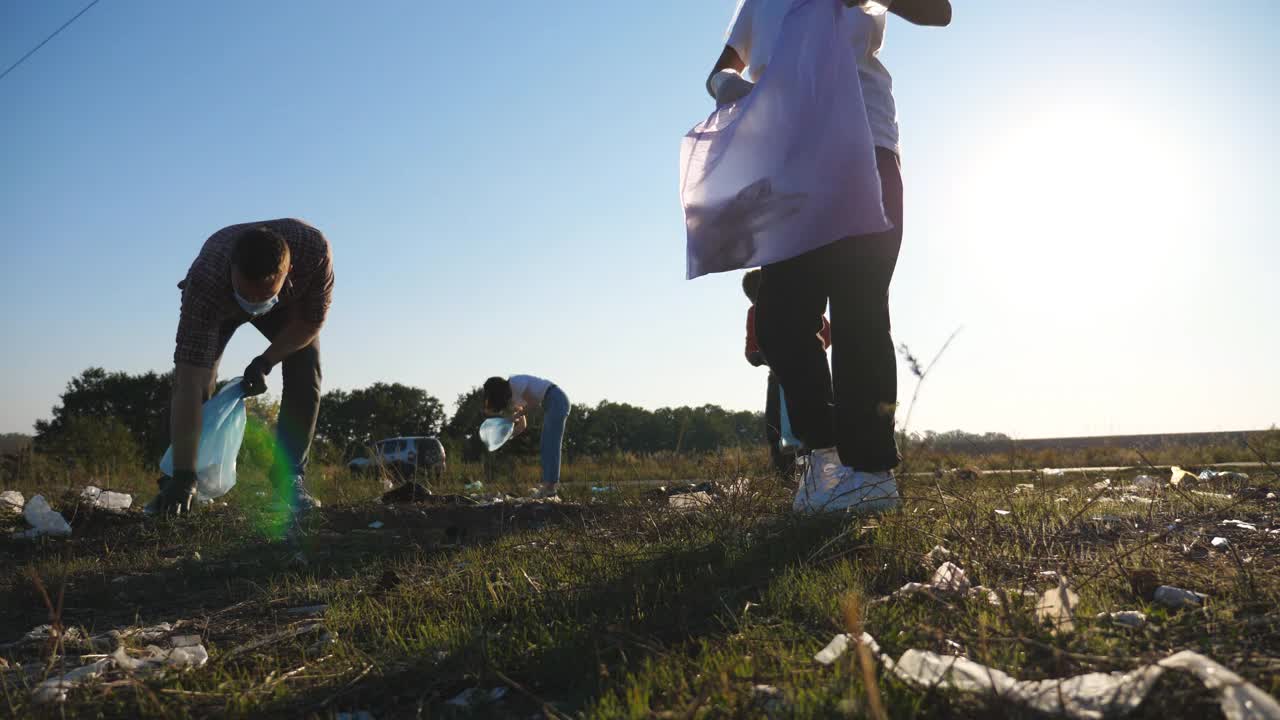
x=1091 y=696
x=11 y=501
x=44 y=520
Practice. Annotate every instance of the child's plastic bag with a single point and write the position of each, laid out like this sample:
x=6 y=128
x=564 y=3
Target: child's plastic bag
x=222 y=431
x=787 y=439
x=495 y=432
x=791 y=167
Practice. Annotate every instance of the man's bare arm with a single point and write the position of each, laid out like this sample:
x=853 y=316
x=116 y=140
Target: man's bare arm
x=190 y=383
x=295 y=335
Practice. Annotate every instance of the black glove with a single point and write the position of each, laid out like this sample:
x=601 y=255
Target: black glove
x=756 y=358
x=176 y=494
x=254 y=381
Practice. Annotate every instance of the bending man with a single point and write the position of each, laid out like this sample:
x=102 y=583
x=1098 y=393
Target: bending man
x=277 y=275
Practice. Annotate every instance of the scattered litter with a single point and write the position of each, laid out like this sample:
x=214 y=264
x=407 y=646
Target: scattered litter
x=1102 y=484
x=1052 y=472
x=840 y=644
x=476 y=696
x=1240 y=525
x=689 y=501
x=375 y=525
x=1214 y=495
x=151 y=634
x=1146 y=482
x=473 y=486
x=1220 y=543
x=55 y=689
x=1270 y=496
x=1177 y=598
x=11 y=501
x=766 y=691
x=1062 y=499
x=44 y=520
x=1003 y=512
x=1228 y=476
x=1057 y=607
x=184 y=656
x=600 y=490
x=950 y=578
x=106 y=499
x=1023 y=487
x=1130 y=618
x=1177 y=475
x=937 y=555
x=1085 y=697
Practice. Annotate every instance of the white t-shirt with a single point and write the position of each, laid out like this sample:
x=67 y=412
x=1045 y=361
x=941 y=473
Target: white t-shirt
x=528 y=390
x=755 y=28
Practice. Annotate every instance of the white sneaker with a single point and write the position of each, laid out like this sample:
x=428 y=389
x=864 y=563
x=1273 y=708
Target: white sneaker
x=874 y=492
x=826 y=485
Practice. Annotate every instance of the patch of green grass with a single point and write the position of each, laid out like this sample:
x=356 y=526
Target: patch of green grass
x=613 y=606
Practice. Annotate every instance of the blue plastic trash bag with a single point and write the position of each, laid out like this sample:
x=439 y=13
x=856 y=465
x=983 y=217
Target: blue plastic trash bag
x=791 y=166
x=787 y=439
x=222 y=431
x=495 y=432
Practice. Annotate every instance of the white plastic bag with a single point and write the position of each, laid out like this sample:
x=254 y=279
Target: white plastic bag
x=221 y=433
x=791 y=167
x=496 y=431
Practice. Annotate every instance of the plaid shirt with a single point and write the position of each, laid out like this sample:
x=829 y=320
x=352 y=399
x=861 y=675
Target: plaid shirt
x=208 y=300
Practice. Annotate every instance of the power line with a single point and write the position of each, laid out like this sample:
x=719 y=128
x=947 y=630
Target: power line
x=54 y=34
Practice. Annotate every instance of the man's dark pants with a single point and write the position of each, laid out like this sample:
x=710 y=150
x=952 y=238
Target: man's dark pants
x=299 y=398
x=855 y=412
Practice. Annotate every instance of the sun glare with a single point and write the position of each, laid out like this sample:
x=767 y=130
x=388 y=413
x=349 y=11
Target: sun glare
x=1085 y=192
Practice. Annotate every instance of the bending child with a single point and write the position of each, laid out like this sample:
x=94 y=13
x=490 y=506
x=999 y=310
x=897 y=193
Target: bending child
x=514 y=397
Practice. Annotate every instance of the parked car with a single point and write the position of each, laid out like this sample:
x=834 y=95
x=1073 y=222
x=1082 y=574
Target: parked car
x=406 y=457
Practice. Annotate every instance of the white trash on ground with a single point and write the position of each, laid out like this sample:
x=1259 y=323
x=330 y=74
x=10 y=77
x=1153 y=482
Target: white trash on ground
x=11 y=501
x=1057 y=607
x=839 y=645
x=55 y=689
x=949 y=577
x=1220 y=543
x=1131 y=618
x=1178 y=598
x=1177 y=475
x=44 y=520
x=180 y=656
x=1085 y=697
x=106 y=499
x=690 y=501
x=1240 y=525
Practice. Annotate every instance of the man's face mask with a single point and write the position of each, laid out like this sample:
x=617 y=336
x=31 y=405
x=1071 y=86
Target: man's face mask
x=258 y=308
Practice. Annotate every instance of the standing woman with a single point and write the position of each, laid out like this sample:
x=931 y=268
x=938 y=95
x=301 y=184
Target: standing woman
x=845 y=411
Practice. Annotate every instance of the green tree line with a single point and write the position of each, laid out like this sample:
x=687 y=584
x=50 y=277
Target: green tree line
x=115 y=419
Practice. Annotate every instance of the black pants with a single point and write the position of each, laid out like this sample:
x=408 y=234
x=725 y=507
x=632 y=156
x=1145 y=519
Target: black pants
x=850 y=404
x=299 y=399
x=782 y=461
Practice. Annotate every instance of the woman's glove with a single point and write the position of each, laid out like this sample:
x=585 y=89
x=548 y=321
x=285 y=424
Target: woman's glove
x=728 y=86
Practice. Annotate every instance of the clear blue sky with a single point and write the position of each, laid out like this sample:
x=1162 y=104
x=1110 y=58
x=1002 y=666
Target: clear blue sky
x=1090 y=192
